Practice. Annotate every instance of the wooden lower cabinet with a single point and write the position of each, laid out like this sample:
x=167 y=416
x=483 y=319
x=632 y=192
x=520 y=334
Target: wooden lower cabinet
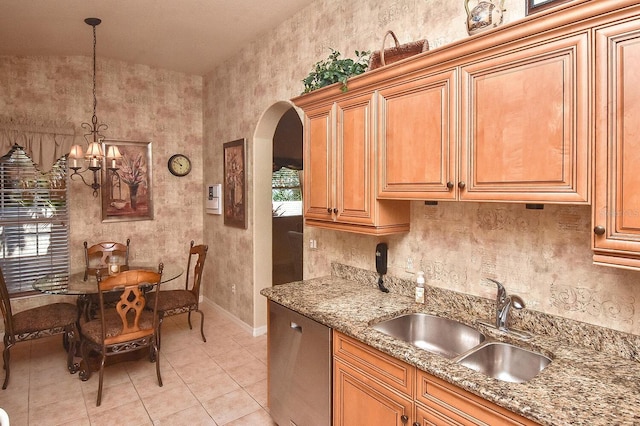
x=371 y=388
x=361 y=401
x=441 y=400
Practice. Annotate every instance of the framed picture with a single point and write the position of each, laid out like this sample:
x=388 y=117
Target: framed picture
x=534 y=6
x=235 y=187
x=126 y=181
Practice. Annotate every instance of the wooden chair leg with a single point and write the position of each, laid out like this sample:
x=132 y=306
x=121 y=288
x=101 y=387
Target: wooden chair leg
x=5 y=356
x=204 y=339
x=189 y=320
x=71 y=336
x=159 y=335
x=157 y=357
x=100 y=380
x=85 y=370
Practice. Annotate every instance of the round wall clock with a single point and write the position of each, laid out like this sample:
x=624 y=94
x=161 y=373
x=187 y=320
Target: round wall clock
x=179 y=165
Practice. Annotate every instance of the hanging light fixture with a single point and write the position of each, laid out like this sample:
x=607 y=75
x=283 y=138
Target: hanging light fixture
x=94 y=137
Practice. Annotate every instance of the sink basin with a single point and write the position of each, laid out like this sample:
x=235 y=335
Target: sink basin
x=505 y=362
x=443 y=336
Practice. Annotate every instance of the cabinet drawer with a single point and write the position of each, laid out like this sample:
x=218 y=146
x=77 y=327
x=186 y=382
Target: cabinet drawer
x=427 y=416
x=372 y=362
x=460 y=406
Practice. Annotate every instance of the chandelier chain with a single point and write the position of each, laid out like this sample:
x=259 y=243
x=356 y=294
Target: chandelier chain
x=94 y=119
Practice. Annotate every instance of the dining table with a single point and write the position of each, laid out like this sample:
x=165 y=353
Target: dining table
x=74 y=284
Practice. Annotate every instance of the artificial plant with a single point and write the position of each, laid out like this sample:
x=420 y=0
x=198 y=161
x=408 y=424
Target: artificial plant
x=334 y=69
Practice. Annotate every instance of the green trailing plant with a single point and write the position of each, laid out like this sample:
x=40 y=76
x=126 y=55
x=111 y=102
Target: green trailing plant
x=335 y=70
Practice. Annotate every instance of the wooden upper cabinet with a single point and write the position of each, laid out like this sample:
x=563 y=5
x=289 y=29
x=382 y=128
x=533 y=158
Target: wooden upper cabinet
x=513 y=127
x=525 y=124
x=616 y=206
x=340 y=170
x=318 y=157
x=417 y=131
x=354 y=160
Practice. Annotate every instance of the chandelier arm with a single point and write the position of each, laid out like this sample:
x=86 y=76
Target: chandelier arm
x=95 y=185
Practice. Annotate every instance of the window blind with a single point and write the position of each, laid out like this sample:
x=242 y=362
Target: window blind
x=34 y=220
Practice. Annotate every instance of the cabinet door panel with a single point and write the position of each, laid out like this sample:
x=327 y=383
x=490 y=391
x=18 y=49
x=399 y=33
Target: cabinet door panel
x=459 y=406
x=354 y=165
x=318 y=156
x=525 y=125
x=617 y=193
x=359 y=401
x=417 y=138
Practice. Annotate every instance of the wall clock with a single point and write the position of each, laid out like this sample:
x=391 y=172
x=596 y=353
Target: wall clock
x=179 y=165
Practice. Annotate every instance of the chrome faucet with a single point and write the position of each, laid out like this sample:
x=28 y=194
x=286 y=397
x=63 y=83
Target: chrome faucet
x=504 y=302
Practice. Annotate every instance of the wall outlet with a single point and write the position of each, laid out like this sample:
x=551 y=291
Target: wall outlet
x=313 y=244
x=409 y=264
x=233 y=289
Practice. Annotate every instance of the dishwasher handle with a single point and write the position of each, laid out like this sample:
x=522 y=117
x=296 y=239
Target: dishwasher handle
x=295 y=326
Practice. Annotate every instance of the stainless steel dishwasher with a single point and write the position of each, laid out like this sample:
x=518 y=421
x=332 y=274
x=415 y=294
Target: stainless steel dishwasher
x=300 y=372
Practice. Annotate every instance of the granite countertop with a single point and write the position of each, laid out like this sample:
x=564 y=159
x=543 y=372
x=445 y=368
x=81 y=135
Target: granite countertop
x=581 y=386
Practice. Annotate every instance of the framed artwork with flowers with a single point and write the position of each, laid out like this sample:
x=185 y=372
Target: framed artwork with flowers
x=235 y=188
x=126 y=181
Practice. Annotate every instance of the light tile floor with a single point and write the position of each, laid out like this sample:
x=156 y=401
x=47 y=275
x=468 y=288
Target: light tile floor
x=220 y=382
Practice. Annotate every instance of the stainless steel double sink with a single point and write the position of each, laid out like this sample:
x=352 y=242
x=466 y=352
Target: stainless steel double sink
x=466 y=346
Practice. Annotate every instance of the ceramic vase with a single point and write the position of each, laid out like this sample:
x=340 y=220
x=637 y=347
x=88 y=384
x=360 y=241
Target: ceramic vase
x=483 y=15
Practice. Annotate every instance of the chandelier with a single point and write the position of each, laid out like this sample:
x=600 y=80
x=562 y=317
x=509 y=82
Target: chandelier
x=92 y=159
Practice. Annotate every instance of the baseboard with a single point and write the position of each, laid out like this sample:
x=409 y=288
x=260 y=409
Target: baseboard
x=254 y=331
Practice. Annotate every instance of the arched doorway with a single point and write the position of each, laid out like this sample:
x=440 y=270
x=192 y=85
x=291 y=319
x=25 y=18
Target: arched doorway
x=262 y=208
x=287 y=200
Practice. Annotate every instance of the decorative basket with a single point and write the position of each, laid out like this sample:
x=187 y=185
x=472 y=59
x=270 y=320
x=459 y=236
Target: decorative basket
x=383 y=57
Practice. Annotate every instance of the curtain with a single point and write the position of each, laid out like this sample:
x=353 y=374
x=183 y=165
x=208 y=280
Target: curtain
x=45 y=141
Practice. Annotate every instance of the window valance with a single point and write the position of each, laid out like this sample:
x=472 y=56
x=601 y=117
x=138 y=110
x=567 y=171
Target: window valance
x=43 y=140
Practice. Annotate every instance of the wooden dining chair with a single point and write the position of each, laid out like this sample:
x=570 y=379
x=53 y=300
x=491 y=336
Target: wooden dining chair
x=174 y=302
x=127 y=327
x=97 y=258
x=34 y=323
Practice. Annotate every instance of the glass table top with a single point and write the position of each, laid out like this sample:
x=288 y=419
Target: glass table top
x=74 y=283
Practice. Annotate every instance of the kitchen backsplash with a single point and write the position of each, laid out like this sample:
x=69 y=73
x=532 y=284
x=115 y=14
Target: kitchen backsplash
x=544 y=256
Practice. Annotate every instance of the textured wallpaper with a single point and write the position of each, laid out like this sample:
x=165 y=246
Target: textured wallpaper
x=543 y=255
x=138 y=103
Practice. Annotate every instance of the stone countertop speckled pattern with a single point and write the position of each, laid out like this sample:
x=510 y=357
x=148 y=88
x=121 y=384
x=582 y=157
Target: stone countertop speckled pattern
x=581 y=386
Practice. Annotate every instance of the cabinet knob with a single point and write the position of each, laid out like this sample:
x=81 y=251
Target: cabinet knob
x=404 y=418
x=328 y=209
x=461 y=184
x=599 y=230
x=416 y=424
x=450 y=185
x=335 y=211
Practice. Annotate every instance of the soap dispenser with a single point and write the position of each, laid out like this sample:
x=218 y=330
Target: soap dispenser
x=420 y=287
